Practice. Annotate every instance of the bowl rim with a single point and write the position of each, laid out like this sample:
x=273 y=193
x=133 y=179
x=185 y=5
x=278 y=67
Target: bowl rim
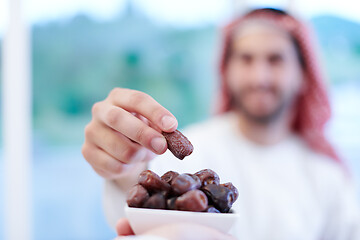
x=180 y=212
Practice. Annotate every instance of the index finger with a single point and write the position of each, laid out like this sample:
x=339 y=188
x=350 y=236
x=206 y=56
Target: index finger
x=145 y=105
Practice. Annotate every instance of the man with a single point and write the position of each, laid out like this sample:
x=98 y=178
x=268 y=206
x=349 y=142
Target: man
x=267 y=138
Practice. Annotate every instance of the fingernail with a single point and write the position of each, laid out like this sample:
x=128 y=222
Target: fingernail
x=158 y=144
x=139 y=155
x=168 y=122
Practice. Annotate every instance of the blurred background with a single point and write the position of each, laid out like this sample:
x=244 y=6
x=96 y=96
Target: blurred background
x=81 y=49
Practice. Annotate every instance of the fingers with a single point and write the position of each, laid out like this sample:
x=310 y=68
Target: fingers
x=130 y=126
x=139 y=102
x=116 y=144
x=124 y=126
x=123 y=227
x=104 y=164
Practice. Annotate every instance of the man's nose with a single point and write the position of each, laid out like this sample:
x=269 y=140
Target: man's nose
x=260 y=73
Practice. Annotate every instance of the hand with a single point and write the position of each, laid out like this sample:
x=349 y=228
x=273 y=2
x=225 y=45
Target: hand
x=125 y=131
x=183 y=231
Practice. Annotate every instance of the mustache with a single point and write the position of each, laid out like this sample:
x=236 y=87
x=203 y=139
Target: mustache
x=259 y=89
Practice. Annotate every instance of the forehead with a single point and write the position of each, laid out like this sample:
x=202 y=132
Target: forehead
x=262 y=37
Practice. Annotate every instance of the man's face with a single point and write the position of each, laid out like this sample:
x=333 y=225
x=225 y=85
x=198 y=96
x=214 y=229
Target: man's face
x=263 y=74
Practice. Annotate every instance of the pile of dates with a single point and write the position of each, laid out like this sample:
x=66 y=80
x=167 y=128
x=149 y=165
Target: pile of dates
x=199 y=192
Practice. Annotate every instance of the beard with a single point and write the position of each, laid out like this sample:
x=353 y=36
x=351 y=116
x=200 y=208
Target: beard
x=262 y=113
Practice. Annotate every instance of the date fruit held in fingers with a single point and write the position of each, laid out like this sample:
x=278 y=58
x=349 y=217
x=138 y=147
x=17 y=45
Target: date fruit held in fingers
x=178 y=144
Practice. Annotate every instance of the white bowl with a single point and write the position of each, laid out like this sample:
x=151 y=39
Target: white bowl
x=144 y=219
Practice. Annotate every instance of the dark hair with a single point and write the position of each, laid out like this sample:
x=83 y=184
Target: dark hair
x=272 y=10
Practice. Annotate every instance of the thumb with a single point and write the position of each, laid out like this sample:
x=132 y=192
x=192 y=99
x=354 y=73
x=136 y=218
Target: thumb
x=123 y=227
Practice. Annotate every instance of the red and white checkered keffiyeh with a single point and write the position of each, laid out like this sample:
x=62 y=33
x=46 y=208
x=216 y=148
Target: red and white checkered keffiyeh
x=313 y=109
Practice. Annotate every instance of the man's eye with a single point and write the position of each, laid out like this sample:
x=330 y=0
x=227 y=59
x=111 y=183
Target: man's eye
x=246 y=58
x=243 y=58
x=276 y=59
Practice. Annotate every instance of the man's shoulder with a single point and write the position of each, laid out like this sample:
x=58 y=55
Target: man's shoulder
x=317 y=164
x=327 y=176
x=327 y=165
x=322 y=166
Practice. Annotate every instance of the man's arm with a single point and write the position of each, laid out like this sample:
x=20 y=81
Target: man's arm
x=123 y=135
x=115 y=191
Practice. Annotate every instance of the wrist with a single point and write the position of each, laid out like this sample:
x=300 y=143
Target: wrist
x=129 y=178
